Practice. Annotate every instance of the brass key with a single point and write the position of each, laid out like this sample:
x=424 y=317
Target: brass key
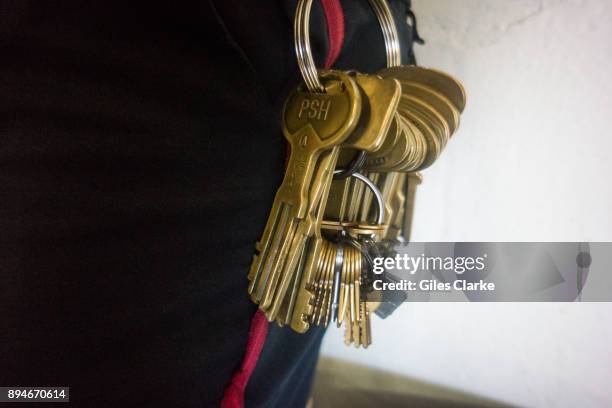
x=435 y=79
x=386 y=160
x=312 y=123
x=305 y=229
x=394 y=203
x=410 y=187
x=380 y=99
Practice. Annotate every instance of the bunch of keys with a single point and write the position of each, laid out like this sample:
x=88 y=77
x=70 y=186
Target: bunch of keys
x=357 y=143
x=425 y=119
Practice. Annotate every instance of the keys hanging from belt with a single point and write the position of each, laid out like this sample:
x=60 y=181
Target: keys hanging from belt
x=358 y=144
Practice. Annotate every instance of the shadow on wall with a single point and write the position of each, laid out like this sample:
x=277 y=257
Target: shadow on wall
x=341 y=384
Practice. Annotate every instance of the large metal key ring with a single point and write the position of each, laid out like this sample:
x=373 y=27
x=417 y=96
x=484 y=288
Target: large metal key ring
x=389 y=29
x=302 y=40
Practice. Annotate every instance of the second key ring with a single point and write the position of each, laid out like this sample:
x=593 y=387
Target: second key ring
x=380 y=215
x=304 y=52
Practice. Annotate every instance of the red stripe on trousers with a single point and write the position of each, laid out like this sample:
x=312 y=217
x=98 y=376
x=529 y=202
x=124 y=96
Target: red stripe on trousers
x=234 y=392
x=335 y=29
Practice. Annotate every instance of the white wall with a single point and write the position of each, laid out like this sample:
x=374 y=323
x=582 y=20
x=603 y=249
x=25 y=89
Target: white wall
x=532 y=161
